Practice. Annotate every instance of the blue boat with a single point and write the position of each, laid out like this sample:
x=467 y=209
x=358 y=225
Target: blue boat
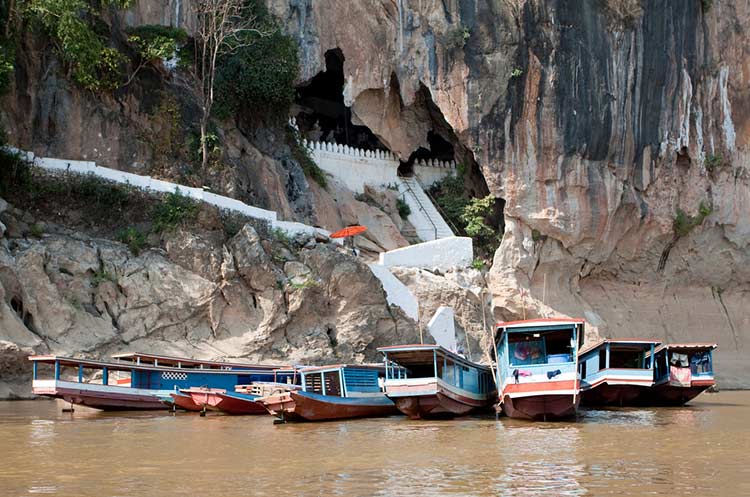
x=537 y=370
x=338 y=391
x=617 y=372
x=135 y=381
x=428 y=381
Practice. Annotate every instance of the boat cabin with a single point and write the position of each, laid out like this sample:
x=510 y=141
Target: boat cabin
x=410 y=363
x=626 y=359
x=542 y=348
x=684 y=364
x=103 y=384
x=343 y=380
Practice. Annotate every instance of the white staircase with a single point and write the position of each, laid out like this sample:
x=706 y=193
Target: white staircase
x=425 y=218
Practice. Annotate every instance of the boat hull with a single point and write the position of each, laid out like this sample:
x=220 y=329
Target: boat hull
x=671 y=395
x=206 y=398
x=304 y=406
x=239 y=404
x=185 y=401
x=435 y=399
x=547 y=407
x=103 y=398
x=606 y=394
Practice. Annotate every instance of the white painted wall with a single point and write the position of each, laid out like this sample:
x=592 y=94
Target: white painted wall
x=355 y=167
x=431 y=172
x=396 y=292
x=443 y=254
x=442 y=327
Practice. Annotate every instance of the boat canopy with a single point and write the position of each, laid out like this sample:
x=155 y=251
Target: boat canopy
x=184 y=362
x=686 y=346
x=620 y=344
x=540 y=325
x=194 y=366
x=411 y=356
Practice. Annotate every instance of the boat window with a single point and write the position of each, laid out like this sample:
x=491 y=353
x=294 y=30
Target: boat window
x=333 y=385
x=700 y=362
x=582 y=369
x=540 y=348
x=625 y=359
x=602 y=358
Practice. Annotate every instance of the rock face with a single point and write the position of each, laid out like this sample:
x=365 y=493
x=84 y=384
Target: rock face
x=595 y=121
x=250 y=299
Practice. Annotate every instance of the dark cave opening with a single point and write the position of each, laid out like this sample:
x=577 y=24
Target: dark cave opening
x=321 y=113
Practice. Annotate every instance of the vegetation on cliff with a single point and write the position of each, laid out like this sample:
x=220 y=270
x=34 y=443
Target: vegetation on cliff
x=469 y=215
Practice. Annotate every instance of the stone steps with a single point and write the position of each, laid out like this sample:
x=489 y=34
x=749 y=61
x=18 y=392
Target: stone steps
x=427 y=221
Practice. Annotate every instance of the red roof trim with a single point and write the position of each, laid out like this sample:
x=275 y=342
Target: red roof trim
x=541 y=320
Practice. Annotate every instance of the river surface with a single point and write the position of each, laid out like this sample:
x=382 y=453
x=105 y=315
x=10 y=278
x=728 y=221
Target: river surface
x=700 y=450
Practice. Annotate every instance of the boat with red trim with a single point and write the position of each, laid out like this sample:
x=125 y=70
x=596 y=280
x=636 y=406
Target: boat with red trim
x=332 y=392
x=135 y=381
x=537 y=367
x=429 y=381
x=617 y=372
x=184 y=401
x=682 y=372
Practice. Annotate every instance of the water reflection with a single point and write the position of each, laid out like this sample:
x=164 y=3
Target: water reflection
x=681 y=451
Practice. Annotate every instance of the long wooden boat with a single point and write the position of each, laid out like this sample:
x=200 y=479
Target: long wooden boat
x=185 y=401
x=135 y=381
x=617 y=372
x=537 y=370
x=682 y=372
x=332 y=392
x=238 y=403
x=428 y=381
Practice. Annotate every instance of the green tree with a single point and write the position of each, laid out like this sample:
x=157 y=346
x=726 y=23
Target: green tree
x=222 y=28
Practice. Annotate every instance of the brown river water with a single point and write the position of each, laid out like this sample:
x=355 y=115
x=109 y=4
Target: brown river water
x=700 y=450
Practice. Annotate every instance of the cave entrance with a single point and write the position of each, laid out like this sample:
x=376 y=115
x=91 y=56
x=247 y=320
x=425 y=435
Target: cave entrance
x=321 y=113
x=439 y=149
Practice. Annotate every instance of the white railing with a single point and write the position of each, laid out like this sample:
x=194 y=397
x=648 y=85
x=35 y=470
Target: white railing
x=156 y=185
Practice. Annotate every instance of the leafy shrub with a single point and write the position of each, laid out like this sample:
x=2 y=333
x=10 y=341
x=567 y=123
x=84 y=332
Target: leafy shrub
x=133 y=238
x=156 y=43
x=173 y=210
x=474 y=217
x=403 y=208
x=477 y=264
x=683 y=224
x=76 y=27
x=714 y=162
x=14 y=172
x=37 y=230
x=456 y=38
x=469 y=215
x=100 y=276
x=259 y=77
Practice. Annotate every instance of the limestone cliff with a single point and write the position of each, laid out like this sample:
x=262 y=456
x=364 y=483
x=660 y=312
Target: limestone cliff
x=596 y=122
x=604 y=125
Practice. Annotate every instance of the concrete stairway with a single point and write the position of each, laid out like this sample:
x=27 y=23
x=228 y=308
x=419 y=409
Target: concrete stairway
x=425 y=218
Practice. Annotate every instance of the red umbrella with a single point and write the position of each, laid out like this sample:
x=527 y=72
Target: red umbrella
x=349 y=231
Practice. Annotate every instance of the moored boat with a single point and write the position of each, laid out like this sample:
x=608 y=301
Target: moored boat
x=135 y=381
x=682 y=372
x=616 y=372
x=332 y=392
x=184 y=401
x=537 y=371
x=428 y=381
x=238 y=403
